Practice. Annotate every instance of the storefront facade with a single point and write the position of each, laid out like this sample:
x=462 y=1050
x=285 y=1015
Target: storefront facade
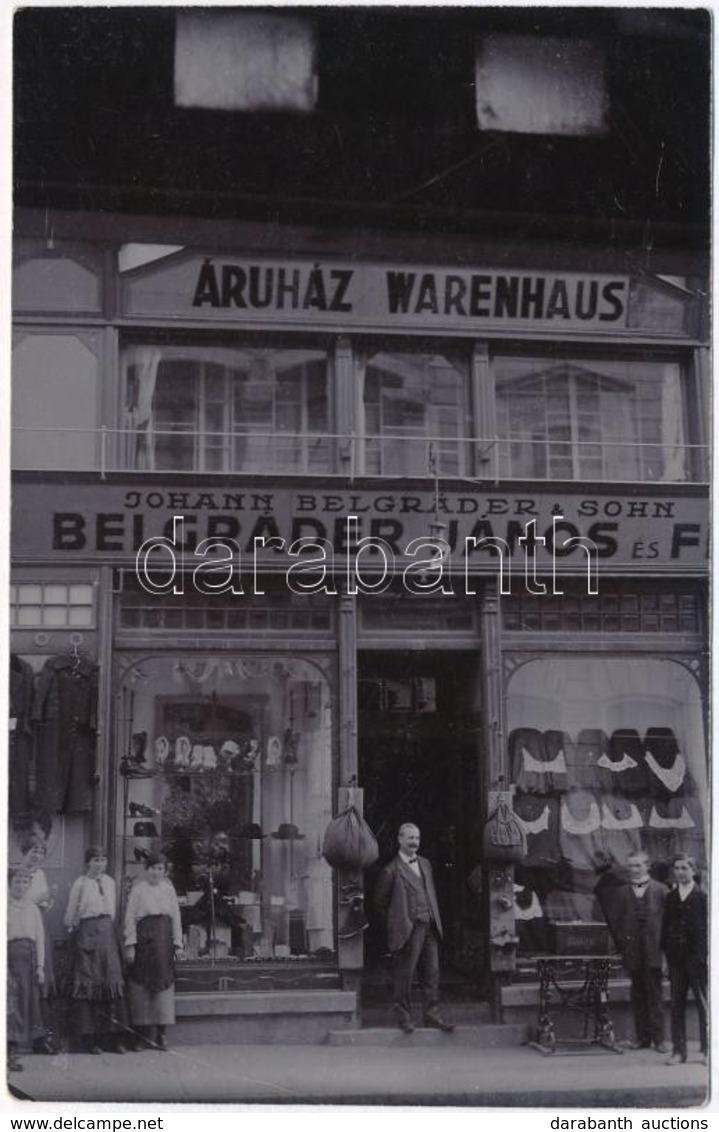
x=420 y=524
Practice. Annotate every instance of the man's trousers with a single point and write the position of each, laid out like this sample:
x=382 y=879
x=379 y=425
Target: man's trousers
x=420 y=953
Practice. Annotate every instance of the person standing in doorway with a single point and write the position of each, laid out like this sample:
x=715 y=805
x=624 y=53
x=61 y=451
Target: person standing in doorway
x=406 y=903
x=685 y=942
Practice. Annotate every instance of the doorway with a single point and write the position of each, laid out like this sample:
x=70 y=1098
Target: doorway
x=419 y=761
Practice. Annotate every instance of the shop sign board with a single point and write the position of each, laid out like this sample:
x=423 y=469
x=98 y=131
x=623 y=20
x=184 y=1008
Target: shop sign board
x=242 y=291
x=265 y=527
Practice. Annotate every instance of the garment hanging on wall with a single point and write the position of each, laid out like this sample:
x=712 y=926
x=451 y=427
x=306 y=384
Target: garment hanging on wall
x=580 y=830
x=539 y=819
x=20 y=735
x=65 y=714
x=674 y=826
x=666 y=766
x=621 y=826
x=623 y=770
x=533 y=772
x=583 y=770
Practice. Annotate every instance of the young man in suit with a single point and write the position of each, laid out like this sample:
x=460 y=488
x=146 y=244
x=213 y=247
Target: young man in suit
x=684 y=941
x=406 y=902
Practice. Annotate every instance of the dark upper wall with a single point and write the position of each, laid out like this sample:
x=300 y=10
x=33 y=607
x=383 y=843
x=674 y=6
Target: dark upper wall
x=394 y=140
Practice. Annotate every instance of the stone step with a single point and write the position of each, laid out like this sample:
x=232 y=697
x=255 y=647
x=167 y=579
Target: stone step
x=490 y=1036
x=461 y=1013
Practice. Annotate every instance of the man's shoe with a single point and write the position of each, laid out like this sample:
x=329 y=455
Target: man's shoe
x=638 y=1045
x=161 y=1042
x=118 y=1047
x=676 y=1059
x=660 y=1047
x=439 y=1023
x=404 y=1021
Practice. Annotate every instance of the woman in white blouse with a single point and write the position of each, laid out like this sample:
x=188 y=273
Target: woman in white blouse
x=96 y=984
x=153 y=936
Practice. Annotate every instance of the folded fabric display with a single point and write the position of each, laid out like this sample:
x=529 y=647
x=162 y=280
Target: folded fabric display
x=666 y=766
x=274 y=751
x=197 y=757
x=583 y=770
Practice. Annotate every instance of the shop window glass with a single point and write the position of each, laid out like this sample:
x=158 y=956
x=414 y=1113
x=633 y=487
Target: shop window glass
x=606 y=756
x=227 y=768
x=590 y=420
x=52 y=605
x=216 y=409
x=415 y=414
x=55 y=390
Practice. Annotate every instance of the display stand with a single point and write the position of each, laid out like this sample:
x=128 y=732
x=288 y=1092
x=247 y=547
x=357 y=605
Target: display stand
x=590 y=1000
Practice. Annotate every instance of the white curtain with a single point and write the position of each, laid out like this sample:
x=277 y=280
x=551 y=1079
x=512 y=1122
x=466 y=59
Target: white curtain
x=674 y=469
x=140 y=364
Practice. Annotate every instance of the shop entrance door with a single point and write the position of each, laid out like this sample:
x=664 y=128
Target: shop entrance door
x=419 y=761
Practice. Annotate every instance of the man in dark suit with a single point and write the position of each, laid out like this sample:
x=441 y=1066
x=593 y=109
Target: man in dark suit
x=684 y=940
x=634 y=915
x=406 y=902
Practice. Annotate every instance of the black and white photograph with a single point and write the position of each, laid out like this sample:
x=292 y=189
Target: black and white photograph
x=359 y=557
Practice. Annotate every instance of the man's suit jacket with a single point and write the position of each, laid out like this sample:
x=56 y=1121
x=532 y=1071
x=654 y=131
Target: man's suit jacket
x=684 y=936
x=638 y=948
x=397 y=898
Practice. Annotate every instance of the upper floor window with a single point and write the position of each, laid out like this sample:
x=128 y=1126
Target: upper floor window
x=220 y=409
x=592 y=419
x=415 y=414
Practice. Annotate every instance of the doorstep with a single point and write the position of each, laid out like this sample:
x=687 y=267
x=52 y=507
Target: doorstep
x=285 y=1017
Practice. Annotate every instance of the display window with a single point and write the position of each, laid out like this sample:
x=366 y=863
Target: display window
x=211 y=408
x=606 y=756
x=590 y=418
x=415 y=413
x=226 y=766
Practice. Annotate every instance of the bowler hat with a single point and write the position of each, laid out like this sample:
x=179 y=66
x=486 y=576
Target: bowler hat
x=287 y=832
x=251 y=832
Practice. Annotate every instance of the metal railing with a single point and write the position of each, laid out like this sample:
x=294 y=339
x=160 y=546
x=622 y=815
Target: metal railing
x=397 y=455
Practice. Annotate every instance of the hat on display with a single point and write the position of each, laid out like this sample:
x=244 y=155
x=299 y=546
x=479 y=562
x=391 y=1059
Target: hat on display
x=139 y=810
x=288 y=832
x=251 y=832
x=183 y=747
x=145 y=829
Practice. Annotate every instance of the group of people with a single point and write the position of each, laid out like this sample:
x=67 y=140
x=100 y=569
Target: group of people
x=653 y=926
x=119 y=990
x=649 y=923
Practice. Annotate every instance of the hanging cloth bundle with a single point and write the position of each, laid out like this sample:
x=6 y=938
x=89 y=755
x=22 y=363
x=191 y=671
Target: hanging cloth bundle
x=503 y=838
x=349 y=843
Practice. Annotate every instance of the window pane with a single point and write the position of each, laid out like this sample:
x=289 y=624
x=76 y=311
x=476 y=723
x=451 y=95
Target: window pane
x=209 y=408
x=408 y=395
x=607 y=419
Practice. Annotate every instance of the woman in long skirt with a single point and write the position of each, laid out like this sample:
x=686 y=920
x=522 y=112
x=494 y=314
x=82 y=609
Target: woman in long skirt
x=34 y=849
x=153 y=936
x=25 y=968
x=96 y=980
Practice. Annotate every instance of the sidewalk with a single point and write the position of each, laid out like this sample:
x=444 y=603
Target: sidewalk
x=317 y=1074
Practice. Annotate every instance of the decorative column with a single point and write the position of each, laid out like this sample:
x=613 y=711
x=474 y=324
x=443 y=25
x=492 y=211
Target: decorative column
x=350 y=949
x=499 y=906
